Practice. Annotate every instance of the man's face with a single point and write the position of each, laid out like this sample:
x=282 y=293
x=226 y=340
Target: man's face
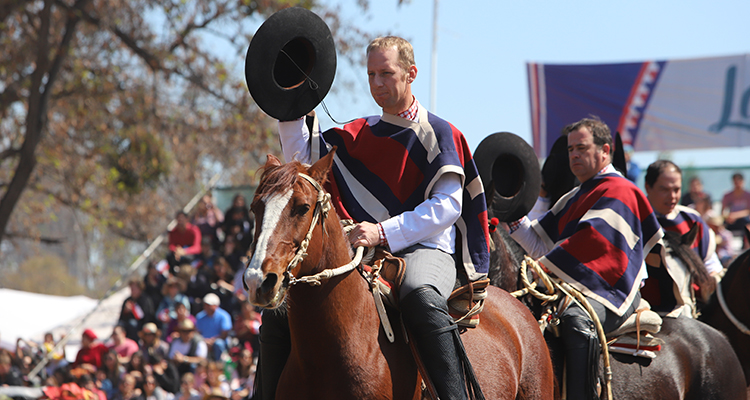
x=186 y=334
x=586 y=158
x=210 y=310
x=135 y=291
x=666 y=192
x=738 y=182
x=149 y=338
x=696 y=186
x=182 y=221
x=390 y=85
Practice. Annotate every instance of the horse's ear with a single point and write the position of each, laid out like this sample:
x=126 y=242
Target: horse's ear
x=689 y=238
x=319 y=170
x=272 y=161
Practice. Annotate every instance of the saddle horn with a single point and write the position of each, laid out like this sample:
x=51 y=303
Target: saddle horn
x=510 y=174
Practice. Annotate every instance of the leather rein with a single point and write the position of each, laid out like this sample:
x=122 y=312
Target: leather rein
x=322 y=208
x=737 y=323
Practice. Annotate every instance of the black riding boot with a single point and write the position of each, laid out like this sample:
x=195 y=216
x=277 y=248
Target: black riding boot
x=275 y=346
x=425 y=313
x=581 y=356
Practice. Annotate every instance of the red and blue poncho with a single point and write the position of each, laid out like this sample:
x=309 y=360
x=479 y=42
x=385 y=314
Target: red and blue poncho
x=601 y=232
x=387 y=165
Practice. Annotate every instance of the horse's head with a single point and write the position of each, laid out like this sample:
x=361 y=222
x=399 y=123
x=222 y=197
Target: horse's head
x=288 y=205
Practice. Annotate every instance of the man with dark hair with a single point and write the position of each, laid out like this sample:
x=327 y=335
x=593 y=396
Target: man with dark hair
x=663 y=188
x=417 y=200
x=137 y=310
x=9 y=374
x=696 y=194
x=595 y=238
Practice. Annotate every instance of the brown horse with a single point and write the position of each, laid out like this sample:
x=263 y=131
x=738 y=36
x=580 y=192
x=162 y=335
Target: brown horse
x=339 y=350
x=696 y=360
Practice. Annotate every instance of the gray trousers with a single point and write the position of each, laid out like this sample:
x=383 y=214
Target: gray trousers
x=427 y=266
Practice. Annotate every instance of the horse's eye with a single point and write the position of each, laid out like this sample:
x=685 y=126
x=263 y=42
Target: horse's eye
x=302 y=209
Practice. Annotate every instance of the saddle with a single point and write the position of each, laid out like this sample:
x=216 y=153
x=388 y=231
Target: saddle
x=635 y=336
x=385 y=273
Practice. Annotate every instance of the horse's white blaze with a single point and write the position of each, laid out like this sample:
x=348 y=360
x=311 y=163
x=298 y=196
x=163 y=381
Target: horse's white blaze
x=271 y=216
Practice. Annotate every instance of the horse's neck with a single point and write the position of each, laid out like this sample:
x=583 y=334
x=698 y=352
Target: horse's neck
x=330 y=313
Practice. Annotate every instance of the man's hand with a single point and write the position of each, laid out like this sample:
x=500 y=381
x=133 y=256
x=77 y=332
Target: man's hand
x=178 y=253
x=364 y=234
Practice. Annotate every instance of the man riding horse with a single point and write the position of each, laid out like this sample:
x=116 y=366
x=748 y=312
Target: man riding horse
x=595 y=238
x=408 y=179
x=668 y=288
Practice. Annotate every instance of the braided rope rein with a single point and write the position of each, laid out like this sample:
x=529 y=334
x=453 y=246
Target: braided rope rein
x=556 y=287
x=322 y=208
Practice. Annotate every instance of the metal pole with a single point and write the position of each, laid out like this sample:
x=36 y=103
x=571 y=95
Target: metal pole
x=137 y=263
x=433 y=62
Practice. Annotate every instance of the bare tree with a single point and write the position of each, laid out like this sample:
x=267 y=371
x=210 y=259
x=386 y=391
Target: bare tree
x=117 y=110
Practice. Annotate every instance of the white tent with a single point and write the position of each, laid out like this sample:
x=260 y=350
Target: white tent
x=29 y=316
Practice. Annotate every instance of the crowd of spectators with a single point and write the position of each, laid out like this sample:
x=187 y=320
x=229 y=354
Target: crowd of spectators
x=728 y=223
x=185 y=332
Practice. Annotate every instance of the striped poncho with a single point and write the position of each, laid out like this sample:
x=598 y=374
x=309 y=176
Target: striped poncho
x=387 y=165
x=600 y=233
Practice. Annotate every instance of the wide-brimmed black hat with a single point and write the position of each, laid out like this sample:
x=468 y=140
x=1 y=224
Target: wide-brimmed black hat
x=510 y=175
x=290 y=63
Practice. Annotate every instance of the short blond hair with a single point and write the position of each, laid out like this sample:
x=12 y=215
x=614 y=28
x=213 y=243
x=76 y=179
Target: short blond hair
x=404 y=48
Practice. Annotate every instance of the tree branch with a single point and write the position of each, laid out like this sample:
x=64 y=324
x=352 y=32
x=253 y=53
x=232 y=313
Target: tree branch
x=8 y=153
x=42 y=239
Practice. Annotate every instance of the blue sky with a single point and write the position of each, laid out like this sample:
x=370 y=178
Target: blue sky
x=483 y=48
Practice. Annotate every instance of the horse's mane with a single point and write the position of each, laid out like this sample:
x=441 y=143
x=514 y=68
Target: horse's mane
x=276 y=178
x=694 y=264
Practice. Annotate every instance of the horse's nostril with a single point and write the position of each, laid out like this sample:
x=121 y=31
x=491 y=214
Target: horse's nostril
x=268 y=284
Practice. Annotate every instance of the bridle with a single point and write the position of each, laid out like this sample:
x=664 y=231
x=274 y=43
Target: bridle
x=322 y=207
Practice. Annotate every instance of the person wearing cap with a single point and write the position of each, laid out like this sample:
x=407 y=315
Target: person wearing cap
x=188 y=349
x=595 y=238
x=92 y=351
x=664 y=190
x=150 y=342
x=214 y=324
x=427 y=208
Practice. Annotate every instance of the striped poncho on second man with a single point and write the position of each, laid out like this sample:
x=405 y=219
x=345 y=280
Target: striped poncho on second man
x=600 y=233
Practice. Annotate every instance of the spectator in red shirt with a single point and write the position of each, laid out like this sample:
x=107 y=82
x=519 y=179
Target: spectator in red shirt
x=92 y=351
x=184 y=242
